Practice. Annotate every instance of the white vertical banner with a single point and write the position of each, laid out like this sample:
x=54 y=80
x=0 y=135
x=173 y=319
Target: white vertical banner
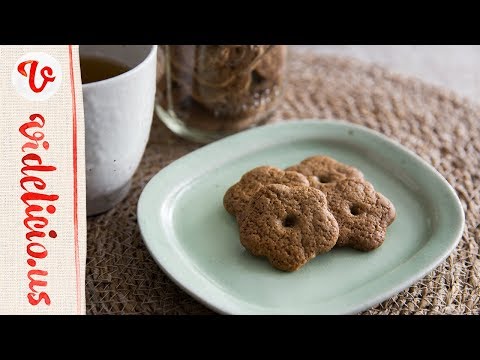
x=42 y=181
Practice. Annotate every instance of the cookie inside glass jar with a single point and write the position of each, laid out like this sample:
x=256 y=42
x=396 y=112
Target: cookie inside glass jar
x=209 y=91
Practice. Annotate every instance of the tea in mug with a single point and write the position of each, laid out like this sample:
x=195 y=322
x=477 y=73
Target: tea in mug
x=94 y=68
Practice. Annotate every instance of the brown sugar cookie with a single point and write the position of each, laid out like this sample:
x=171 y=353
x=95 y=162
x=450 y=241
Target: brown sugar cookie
x=362 y=213
x=218 y=65
x=239 y=195
x=323 y=170
x=270 y=65
x=288 y=225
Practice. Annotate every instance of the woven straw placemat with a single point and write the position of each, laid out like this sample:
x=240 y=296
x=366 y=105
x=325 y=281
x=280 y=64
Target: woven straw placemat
x=439 y=126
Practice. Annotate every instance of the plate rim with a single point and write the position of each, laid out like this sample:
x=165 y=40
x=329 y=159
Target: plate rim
x=221 y=307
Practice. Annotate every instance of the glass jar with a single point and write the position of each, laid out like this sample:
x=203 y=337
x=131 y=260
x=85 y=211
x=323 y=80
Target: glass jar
x=205 y=92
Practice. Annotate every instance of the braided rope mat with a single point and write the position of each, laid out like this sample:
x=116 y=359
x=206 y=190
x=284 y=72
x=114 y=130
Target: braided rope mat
x=439 y=126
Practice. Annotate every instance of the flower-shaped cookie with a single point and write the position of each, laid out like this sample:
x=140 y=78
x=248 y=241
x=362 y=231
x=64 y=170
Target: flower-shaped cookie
x=362 y=213
x=288 y=225
x=239 y=195
x=324 y=171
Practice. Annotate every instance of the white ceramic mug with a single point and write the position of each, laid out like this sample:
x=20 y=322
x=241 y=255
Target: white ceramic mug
x=118 y=116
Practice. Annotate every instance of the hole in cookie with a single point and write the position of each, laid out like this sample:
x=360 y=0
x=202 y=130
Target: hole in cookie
x=356 y=209
x=290 y=221
x=324 y=179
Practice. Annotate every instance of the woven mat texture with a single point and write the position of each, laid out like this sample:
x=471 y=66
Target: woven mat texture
x=438 y=125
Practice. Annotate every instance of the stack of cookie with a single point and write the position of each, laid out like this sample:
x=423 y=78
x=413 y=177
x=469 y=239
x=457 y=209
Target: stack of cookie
x=291 y=216
x=231 y=81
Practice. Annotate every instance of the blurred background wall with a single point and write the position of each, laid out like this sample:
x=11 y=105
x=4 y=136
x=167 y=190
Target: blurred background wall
x=453 y=66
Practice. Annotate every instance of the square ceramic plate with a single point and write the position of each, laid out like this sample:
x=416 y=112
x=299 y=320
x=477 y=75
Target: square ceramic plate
x=196 y=242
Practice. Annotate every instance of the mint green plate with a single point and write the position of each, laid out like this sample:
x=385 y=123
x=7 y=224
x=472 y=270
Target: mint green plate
x=195 y=241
